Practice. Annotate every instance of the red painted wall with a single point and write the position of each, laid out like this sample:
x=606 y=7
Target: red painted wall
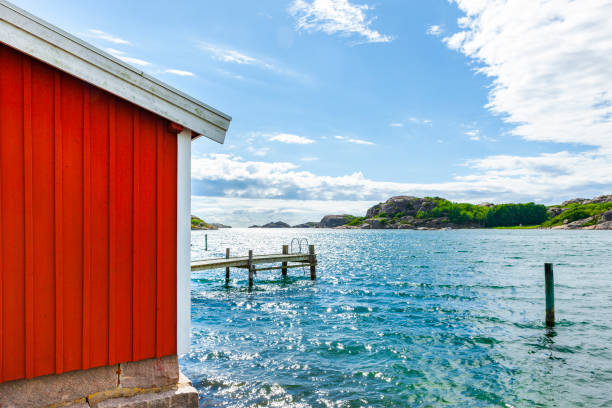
x=87 y=225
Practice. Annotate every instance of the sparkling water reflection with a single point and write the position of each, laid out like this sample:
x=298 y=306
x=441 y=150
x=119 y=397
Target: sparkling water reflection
x=406 y=318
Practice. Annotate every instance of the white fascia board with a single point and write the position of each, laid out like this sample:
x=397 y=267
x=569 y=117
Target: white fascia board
x=45 y=42
x=183 y=242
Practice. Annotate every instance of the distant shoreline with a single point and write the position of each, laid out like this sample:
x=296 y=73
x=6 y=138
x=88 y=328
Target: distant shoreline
x=531 y=227
x=435 y=213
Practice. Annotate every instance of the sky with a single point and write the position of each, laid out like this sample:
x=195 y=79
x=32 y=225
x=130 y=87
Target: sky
x=340 y=104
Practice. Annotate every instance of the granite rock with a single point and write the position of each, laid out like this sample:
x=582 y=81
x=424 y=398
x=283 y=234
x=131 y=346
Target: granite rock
x=332 y=221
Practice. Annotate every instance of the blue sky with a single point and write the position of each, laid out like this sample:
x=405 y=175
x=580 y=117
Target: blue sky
x=340 y=104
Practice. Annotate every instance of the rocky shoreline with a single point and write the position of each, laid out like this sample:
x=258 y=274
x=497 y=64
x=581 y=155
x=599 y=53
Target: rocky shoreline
x=435 y=213
x=199 y=224
x=277 y=224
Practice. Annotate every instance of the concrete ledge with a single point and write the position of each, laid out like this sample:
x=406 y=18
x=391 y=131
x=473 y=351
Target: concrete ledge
x=57 y=389
x=183 y=396
x=149 y=383
x=156 y=372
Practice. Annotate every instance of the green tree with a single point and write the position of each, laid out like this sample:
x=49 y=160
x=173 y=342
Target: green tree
x=508 y=215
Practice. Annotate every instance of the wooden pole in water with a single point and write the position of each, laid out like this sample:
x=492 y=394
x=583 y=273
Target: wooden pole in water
x=284 y=264
x=227 y=270
x=206 y=242
x=313 y=262
x=250 y=265
x=550 y=294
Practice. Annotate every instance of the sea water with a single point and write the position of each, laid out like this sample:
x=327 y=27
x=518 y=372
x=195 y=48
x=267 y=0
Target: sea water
x=405 y=318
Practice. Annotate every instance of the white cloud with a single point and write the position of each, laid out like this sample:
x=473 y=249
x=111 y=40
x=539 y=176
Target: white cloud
x=549 y=62
x=336 y=17
x=179 y=72
x=550 y=66
x=101 y=35
x=232 y=56
x=351 y=140
x=232 y=176
x=396 y=124
x=435 y=30
x=473 y=134
x=251 y=179
x=125 y=58
x=547 y=178
x=133 y=61
x=419 y=121
x=291 y=139
x=243 y=212
x=231 y=75
x=550 y=177
x=260 y=152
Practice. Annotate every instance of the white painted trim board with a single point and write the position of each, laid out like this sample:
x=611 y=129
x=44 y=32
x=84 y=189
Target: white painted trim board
x=183 y=242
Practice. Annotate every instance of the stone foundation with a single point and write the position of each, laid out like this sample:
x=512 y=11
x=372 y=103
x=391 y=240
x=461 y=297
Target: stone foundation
x=149 y=383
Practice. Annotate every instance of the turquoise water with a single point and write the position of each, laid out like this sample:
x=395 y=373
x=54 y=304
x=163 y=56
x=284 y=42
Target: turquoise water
x=406 y=318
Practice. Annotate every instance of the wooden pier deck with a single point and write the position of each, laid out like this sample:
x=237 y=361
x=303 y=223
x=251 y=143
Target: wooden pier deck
x=250 y=262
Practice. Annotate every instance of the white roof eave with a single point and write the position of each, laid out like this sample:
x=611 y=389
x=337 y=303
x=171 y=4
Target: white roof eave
x=45 y=42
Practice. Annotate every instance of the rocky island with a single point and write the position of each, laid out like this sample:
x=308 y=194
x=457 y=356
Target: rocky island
x=277 y=224
x=199 y=224
x=408 y=212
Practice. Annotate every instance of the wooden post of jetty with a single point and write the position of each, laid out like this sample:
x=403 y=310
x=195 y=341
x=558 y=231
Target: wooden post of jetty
x=227 y=269
x=250 y=266
x=550 y=294
x=313 y=262
x=284 y=264
x=206 y=242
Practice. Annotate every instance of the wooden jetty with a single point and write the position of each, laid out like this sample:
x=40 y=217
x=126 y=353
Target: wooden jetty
x=250 y=262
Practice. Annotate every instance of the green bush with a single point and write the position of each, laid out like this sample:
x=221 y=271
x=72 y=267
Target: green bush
x=354 y=221
x=457 y=213
x=577 y=212
x=507 y=215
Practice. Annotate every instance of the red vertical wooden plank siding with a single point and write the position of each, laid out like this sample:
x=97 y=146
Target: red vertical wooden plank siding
x=86 y=229
x=58 y=221
x=2 y=64
x=42 y=205
x=145 y=223
x=28 y=216
x=136 y=279
x=99 y=228
x=72 y=220
x=159 y=238
x=13 y=232
x=87 y=225
x=168 y=254
x=112 y=235
x=123 y=239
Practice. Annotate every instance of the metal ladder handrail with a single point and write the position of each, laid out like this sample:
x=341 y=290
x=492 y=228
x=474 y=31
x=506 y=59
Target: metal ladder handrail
x=298 y=243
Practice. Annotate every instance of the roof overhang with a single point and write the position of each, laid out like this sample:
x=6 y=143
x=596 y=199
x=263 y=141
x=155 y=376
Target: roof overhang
x=45 y=42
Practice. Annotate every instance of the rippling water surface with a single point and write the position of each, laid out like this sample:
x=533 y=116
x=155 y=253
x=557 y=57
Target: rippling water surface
x=406 y=318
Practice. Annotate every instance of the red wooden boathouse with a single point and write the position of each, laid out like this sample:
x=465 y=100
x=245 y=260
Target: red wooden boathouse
x=94 y=204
